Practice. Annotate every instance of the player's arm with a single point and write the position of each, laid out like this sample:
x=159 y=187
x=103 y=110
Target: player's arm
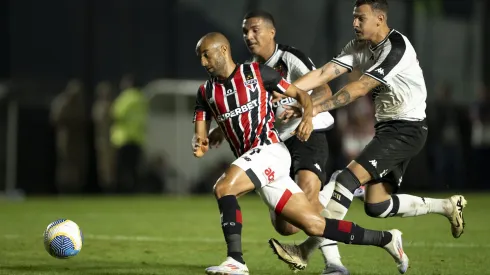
x=348 y=94
x=387 y=65
x=202 y=123
x=319 y=77
x=273 y=81
x=200 y=142
x=341 y=64
x=320 y=94
x=300 y=65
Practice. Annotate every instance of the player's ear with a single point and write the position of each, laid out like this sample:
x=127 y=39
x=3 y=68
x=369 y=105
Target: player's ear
x=273 y=32
x=224 y=49
x=381 y=16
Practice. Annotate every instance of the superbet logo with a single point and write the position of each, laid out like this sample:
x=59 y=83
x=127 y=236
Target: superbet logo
x=270 y=174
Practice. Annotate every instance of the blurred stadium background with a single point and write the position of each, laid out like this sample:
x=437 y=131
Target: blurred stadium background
x=74 y=74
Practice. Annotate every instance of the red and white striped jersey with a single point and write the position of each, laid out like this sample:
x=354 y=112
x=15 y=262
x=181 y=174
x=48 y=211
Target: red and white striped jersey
x=242 y=106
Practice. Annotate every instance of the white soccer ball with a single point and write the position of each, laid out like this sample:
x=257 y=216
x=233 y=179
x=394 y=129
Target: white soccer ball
x=63 y=239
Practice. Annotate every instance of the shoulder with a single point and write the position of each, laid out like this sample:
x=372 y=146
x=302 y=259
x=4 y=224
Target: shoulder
x=357 y=45
x=397 y=42
x=294 y=56
x=206 y=86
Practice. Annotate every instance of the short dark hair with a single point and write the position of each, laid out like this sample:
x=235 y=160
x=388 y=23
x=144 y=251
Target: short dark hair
x=381 y=5
x=261 y=14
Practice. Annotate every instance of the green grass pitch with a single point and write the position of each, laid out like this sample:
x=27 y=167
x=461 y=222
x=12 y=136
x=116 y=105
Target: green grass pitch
x=170 y=235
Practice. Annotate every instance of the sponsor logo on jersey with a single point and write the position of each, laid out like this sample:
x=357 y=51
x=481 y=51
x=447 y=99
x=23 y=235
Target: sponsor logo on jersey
x=238 y=111
x=284 y=101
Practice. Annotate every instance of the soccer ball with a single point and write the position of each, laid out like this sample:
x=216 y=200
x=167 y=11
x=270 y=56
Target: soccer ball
x=63 y=239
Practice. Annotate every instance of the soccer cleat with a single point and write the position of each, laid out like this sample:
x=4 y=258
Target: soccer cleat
x=228 y=267
x=290 y=254
x=395 y=248
x=456 y=217
x=331 y=269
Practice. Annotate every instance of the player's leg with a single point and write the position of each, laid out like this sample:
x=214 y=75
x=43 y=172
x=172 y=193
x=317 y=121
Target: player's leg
x=289 y=201
x=310 y=184
x=382 y=202
x=308 y=160
x=357 y=173
x=233 y=183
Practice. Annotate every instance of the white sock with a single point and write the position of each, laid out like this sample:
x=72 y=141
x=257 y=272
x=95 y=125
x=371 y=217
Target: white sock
x=411 y=206
x=326 y=193
x=330 y=252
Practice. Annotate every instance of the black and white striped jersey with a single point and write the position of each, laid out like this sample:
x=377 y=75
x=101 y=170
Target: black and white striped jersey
x=291 y=63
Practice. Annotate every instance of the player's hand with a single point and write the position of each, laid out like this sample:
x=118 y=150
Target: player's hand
x=304 y=129
x=276 y=97
x=216 y=137
x=290 y=113
x=200 y=146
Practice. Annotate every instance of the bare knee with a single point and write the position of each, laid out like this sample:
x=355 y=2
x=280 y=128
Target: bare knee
x=377 y=192
x=377 y=210
x=282 y=227
x=222 y=187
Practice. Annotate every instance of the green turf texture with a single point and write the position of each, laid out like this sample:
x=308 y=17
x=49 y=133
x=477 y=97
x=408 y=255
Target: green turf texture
x=171 y=235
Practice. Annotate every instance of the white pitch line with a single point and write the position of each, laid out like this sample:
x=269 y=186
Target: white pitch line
x=252 y=241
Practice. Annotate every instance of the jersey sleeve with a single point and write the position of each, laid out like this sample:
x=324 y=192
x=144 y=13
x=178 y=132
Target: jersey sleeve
x=201 y=110
x=392 y=61
x=347 y=57
x=272 y=80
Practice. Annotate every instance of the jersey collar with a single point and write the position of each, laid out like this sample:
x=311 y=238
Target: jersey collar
x=373 y=48
x=272 y=56
x=225 y=80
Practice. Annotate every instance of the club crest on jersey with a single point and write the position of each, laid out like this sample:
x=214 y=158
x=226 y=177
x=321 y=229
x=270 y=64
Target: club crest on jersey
x=281 y=69
x=251 y=84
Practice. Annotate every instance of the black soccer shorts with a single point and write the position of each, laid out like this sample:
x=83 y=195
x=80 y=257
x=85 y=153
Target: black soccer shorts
x=311 y=155
x=394 y=144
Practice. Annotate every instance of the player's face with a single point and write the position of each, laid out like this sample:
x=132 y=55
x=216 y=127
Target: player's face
x=212 y=59
x=365 y=23
x=258 y=35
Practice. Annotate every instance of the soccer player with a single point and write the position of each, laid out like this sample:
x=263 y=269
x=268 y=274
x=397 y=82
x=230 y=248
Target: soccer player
x=309 y=159
x=392 y=72
x=238 y=96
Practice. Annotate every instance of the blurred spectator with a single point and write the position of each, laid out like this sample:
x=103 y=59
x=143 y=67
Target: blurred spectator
x=356 y=124
x=129 y=113
x=208 y=180
x=155 y=175
x=105 y=152
x=68 y=115
x=449 y=135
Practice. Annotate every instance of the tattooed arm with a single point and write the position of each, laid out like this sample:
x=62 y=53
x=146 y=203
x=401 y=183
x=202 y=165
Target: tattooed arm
x=320 y=94
x=347 y=94
x=320 y=76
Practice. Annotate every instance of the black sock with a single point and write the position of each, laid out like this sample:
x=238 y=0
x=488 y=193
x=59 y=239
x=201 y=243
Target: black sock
x=231 y=223
x=351 y=233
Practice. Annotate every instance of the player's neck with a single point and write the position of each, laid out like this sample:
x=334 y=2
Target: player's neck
x=268 y=52
x=381 y=35
x=228 y=70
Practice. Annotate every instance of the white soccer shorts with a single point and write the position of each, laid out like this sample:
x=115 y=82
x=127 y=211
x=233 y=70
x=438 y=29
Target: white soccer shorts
x=268 y=168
